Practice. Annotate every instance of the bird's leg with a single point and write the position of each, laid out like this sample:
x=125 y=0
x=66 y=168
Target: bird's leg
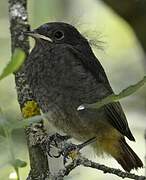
x=72 y=150
x=86 y=143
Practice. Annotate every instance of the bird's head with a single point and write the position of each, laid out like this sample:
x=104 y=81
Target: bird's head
x=57 y=33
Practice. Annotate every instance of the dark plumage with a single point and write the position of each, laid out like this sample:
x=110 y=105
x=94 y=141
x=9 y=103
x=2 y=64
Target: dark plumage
x=63 y=73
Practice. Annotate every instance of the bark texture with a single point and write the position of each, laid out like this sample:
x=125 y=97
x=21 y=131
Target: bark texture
x=18 y=24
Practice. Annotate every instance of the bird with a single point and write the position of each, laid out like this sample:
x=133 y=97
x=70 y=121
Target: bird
x=63 y=73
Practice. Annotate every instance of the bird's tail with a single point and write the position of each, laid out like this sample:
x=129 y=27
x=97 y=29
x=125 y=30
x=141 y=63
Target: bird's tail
x=127 y=158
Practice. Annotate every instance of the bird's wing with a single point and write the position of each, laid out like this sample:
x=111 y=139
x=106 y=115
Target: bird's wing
x=117 y=119
x=113 y=110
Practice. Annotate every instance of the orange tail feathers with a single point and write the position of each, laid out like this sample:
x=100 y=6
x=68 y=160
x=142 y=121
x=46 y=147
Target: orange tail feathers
x=127 y=157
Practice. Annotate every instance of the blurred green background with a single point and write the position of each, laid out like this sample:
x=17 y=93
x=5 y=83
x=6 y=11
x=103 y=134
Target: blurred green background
x=122 y=58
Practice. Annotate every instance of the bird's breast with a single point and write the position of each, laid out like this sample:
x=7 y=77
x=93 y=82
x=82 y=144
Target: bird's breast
x=62 y=79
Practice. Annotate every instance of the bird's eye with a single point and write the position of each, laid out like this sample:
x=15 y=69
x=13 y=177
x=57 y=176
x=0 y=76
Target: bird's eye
x=59 y=35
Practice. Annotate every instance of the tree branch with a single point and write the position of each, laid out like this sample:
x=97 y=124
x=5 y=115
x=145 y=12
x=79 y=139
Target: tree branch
x=88 y=163
x=18 y=24
x=80 y=160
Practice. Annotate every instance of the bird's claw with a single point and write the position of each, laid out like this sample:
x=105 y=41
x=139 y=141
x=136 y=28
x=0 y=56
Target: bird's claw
x=53 y=141
x=70 y=151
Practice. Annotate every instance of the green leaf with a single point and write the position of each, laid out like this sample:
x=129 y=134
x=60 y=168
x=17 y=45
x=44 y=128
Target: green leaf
x=19 y=163
x=115 y=97
x=28 y=121
x=8 y=124
x=32 y=120
x=17 y=59
x=18 y=124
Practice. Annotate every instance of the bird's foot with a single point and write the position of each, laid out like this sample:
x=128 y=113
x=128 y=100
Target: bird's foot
x=73 y=151
x=70 y=151
x=54 y=141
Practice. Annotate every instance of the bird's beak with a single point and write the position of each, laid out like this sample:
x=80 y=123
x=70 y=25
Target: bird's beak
x=36 y=35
